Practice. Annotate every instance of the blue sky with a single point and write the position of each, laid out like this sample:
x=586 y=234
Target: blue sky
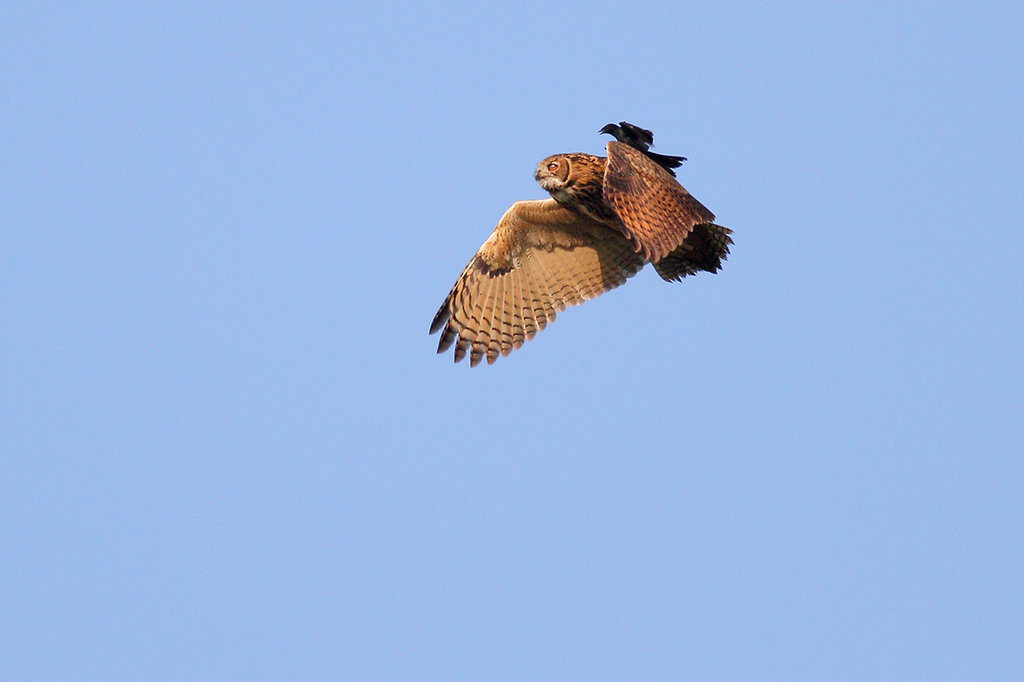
x=232 y=454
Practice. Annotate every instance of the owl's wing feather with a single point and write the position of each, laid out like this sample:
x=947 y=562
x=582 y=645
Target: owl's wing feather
x=540 y=259
x=655 y=210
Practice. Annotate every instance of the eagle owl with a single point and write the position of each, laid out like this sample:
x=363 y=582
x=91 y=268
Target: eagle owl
x=606 y=218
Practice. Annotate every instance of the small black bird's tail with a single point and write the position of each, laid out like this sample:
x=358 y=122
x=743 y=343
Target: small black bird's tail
x=667 y=162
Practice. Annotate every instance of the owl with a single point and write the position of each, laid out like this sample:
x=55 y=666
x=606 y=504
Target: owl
x=607 y=217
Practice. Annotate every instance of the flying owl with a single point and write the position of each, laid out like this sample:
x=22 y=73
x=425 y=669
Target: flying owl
x=606 y=218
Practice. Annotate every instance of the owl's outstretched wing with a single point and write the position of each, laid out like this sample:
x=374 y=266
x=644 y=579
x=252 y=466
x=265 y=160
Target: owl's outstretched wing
x=540 y=259
x=655 y=210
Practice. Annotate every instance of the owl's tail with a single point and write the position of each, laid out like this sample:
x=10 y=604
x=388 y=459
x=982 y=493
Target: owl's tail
x=705 y=248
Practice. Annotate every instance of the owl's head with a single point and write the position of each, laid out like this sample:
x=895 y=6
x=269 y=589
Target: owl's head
x=553 y=172
x=564 y=172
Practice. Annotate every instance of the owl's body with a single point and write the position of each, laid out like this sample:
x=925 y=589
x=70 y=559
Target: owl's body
x=607 y=217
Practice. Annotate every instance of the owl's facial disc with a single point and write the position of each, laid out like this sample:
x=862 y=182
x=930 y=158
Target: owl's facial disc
x=552 y=172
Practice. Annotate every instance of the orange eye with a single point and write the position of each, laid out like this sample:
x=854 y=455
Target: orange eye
x=552 y=167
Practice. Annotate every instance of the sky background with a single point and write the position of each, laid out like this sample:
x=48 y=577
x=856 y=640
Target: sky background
x=229 y=451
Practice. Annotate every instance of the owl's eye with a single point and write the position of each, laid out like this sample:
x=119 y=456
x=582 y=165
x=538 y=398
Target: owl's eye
x=552 y=167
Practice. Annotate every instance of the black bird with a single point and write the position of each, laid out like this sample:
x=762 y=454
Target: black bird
x=642 y=140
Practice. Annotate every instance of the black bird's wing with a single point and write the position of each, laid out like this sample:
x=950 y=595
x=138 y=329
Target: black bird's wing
x=642 y=140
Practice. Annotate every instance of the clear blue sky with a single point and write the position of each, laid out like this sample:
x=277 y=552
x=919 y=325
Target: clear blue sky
x=230 y=452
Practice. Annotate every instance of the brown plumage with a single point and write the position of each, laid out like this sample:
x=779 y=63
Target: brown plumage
x=606 y=219
x=539 y=259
